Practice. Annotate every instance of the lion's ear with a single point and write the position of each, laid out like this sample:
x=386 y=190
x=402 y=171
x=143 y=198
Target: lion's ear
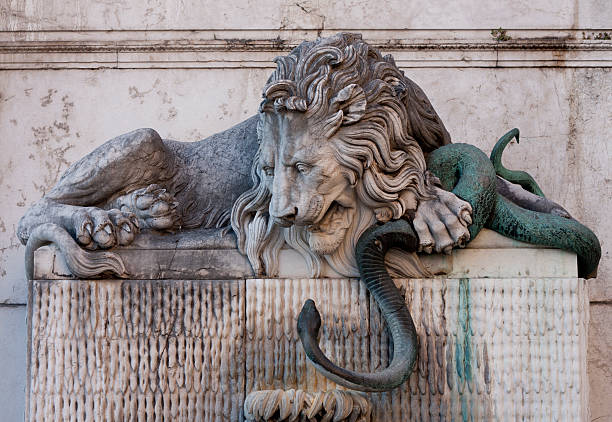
x=351 y=101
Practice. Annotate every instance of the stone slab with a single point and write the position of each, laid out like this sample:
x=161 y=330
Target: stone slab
x=206 y=254
x=174 y=264
x=511 y=263
x=136 y=350
x=473 y=263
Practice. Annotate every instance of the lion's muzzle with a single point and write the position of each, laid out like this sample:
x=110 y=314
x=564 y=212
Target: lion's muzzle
x=285 y=217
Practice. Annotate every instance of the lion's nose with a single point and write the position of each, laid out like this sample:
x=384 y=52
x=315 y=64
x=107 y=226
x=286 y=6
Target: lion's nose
x=285 y=217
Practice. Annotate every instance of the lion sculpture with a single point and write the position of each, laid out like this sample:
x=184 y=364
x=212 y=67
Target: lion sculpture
x=343 y=142
x=339 y=143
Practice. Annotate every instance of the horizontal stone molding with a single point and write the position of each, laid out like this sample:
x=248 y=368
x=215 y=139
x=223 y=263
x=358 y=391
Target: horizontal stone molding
x=257 y=49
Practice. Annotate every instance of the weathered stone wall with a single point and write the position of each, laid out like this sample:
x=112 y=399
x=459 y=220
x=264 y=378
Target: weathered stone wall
x=76 y=73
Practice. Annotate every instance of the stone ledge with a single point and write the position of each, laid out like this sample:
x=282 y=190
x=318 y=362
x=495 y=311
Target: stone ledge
x=208 y=49
x=211 y=254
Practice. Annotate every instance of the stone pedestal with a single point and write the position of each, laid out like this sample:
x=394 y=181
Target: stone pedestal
x=502 y=337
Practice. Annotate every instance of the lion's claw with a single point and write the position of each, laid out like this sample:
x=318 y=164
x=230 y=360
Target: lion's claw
x=84 y=228
x=125 y=224
x=465 y=218
x=97 y=228
x=441 y=223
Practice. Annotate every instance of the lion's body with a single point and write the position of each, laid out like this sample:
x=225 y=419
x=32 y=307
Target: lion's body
x=203 y=178
x=340 y=143
x=366 y=129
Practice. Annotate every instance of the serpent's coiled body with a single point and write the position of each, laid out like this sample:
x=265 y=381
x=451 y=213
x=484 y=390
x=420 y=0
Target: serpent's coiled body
x=471 y=175
x=466 y=171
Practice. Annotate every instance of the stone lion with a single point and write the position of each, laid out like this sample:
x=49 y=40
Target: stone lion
x=339 y=143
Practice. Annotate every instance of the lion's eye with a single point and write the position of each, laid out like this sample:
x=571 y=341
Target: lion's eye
x=302 y=168
x=269 y=171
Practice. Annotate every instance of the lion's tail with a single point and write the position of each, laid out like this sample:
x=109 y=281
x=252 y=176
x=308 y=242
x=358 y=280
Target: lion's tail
x=82 y=263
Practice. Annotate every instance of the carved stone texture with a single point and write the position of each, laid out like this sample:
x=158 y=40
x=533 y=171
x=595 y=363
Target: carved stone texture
x=274 y=355
x=298 y=405
x=137 y=350
x=490 y=349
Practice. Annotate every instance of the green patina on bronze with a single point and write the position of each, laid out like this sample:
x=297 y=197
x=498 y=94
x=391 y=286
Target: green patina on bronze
x=548 y=230
x=464 y=170
x=467 y=172
x=515 y=176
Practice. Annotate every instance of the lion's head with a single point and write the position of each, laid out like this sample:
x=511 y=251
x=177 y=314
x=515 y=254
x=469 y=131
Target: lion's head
x=342 y=136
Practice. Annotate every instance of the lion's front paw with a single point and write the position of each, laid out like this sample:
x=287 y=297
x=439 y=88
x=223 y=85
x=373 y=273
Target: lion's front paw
x=441 y=223
x=154 y=207
x=97 y=228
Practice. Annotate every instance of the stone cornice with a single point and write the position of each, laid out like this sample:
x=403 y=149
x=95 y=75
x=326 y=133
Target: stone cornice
x=280 y=45
x=256 y=49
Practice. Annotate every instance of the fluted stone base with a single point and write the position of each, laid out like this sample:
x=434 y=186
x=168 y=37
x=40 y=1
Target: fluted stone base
x=503 y=348
x=490 y=349
x=136 y=350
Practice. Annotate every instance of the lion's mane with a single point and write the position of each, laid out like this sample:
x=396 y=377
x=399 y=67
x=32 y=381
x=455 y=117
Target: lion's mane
x=381 y=141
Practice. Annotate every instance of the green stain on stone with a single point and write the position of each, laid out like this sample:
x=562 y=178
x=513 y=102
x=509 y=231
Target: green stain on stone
x=463 y=343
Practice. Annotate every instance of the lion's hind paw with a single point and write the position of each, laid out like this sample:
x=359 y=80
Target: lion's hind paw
x=97 y=228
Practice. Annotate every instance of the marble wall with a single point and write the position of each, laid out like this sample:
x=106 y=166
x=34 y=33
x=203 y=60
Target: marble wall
x=76 y=73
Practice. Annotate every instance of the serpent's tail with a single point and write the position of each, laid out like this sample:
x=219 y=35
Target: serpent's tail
x=548 y=230
x=370 y=253
x=82 y=263
x=514 y=176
